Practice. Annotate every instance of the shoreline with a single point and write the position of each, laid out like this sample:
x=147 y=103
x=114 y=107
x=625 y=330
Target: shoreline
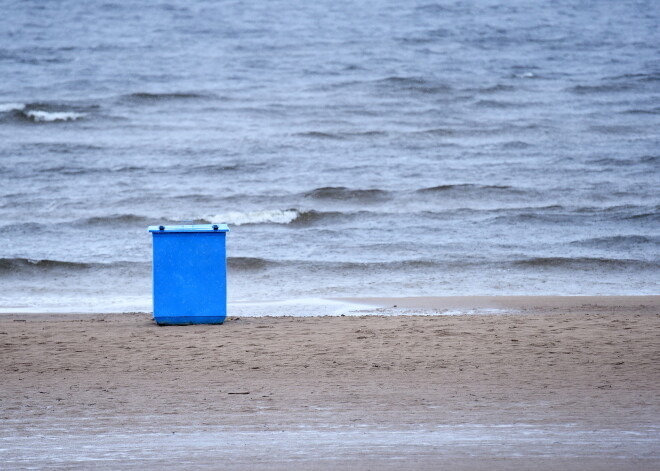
x=551 y=386
x=411 y=305
x=511 y=303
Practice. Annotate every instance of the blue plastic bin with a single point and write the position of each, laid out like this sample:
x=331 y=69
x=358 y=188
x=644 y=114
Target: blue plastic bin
x=189 y=274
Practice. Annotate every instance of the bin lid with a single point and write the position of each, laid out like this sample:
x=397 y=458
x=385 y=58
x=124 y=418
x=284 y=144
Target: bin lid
x=190 y=228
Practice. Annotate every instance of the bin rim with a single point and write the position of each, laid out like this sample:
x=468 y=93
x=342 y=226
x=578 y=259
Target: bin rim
x=189 y=228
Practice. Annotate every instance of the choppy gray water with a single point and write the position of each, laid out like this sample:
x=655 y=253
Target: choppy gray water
x=355 y=148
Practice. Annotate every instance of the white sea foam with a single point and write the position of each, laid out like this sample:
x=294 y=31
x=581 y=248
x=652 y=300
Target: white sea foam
x=273 y=216
x=6 y=107
x=299 y=307
x=51 y=116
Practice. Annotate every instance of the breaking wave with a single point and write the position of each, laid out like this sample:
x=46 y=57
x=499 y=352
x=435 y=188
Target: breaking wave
x=274 y=216
x=39 y=112
x=7 y=107
x=40 y=116
x=292 y=217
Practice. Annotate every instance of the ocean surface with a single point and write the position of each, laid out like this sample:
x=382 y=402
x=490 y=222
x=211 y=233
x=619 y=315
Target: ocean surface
x=354 y=148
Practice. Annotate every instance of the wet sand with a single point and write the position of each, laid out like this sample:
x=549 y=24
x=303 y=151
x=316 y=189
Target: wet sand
x=566 y=383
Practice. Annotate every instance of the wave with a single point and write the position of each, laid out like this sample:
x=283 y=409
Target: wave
x=604 y=88
x=371 y=133
x=23 y=228
x=492 y=130
x=548 y=214
x=469 y=189
x=256 y=263
x=525 y=75
x=341 y=135
x=575 y=215
x=320 y=135
x=132 y=220
x=7 y=107
x=614 y=129
x=211 y=168
x=504 y=212
x=650 y=77
x=498 y=104
x=625 y=162
x=610 y=209
x=651 y=111
x=493 y=89
x=306 y=218
x=62 y=147
x=153 y=97
x=392 y=265
x=40 y=112
x=434 y=8
x=414 y=84
x=19 y=265
x=346 y=194
x=622 y=212
x=650 y=159
x=530 y=217
x=40 y=116
x=610 y=161
x=235 y=218
x=171 y=169
x=248 y=263
x=515 y=145
x=437 y=132
x=117 y=219
x=652 y=216
x=274 y=216
x=624 y=241
x=110 y=221
x=583 y=263
x=71 y=170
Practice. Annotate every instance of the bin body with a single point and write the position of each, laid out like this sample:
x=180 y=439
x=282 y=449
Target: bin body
x=189 y=274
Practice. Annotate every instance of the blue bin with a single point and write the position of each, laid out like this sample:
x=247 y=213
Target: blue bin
x=189 y=274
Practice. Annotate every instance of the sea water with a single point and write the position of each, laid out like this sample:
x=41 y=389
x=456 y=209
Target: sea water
x=354 y=148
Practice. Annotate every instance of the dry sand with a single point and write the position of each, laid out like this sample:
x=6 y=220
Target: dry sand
x=569 y=383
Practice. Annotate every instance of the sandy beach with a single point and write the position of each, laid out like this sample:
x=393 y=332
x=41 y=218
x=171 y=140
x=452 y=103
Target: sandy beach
x=350 y=180
x=567 y=383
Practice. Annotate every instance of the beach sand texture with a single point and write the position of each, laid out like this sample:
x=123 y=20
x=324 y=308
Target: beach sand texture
x=562 y=383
